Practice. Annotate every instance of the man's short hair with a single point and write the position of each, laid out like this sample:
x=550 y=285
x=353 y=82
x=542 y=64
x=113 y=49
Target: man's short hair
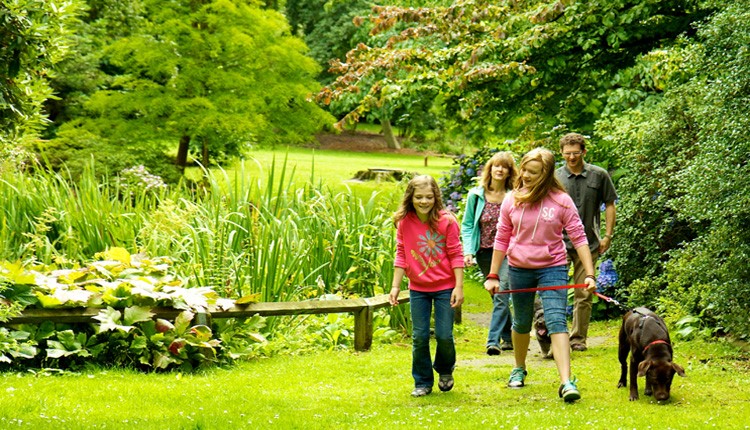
x=573 y=139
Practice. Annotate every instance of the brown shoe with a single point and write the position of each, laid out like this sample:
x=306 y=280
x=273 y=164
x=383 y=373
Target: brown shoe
x=578 y=347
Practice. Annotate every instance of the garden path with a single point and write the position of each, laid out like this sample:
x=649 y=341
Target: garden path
x=482 y=319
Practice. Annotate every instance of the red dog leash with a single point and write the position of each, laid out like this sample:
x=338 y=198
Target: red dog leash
x=560 y=287
x=553 y=287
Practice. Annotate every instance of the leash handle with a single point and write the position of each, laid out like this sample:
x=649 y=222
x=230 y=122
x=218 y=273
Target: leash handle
x=607 y=299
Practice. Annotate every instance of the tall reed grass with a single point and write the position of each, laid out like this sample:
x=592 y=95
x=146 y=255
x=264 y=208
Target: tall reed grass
x=241 y=235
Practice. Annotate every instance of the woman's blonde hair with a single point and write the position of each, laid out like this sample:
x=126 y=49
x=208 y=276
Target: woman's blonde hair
x=407 y=204
x=547 y=180
x=506 y=160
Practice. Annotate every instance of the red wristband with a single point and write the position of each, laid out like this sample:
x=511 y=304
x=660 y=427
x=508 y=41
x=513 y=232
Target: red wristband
x=493 y=276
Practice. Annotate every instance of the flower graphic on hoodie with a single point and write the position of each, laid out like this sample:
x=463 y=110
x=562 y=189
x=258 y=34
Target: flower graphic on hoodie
x=431 y=244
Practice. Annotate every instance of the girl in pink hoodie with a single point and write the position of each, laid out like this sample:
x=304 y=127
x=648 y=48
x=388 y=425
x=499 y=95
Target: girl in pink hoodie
x=530 y=234
x=429 y=253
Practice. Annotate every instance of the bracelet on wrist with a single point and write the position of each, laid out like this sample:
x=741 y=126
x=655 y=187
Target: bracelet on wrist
x=493 y=276
x=609 y=236
x=591 y=277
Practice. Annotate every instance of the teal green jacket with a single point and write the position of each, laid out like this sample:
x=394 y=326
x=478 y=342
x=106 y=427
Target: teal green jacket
x=470 y=223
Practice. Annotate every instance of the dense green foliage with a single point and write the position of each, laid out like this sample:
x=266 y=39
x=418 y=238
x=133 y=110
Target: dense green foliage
x=233 y=239
x=34 y=38
x=207 y=78
x=127 y=332
x=681 y=235
x=328 y=28
x=506 y=69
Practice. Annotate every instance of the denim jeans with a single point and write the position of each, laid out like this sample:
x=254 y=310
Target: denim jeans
x=553 y=301
x=445 y=354
x=500 y=322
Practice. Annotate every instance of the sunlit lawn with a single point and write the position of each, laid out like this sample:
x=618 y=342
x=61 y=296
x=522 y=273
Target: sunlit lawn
x=337 y=168
x=348 y=390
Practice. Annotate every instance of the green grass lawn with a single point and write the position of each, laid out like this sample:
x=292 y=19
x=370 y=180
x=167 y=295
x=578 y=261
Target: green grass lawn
x=345 y=390
x=339 y=167
x=295 y=167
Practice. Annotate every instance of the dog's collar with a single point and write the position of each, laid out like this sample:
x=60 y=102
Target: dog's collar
x=654 y=343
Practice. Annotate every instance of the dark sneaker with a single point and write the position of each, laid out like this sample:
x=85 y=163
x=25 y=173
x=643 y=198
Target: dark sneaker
x=493 y=350
x=517 y=377
x=445 y=383
x=421 y=391
x=506 y=346
x=568 y=391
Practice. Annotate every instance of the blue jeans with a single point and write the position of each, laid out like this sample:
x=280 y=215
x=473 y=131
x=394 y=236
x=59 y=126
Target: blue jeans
x=500 y=322
x=553 y=301
x=445 y=354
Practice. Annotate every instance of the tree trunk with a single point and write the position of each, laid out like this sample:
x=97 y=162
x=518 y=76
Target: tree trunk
x=182 y=153
x=390 y=138
x=205 y=155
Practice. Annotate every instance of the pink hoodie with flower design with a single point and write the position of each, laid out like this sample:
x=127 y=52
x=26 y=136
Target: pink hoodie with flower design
x=428 y=257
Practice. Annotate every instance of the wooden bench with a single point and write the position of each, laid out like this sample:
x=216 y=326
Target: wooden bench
x=361 y=308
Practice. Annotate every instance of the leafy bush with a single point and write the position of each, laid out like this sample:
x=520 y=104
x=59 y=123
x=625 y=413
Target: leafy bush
x=75 y=148
x=681 y=234
x=126 y=288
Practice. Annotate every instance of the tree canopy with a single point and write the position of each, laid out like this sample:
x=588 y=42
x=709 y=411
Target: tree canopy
x=33 y=38
x=215 y=76
x=517 y=68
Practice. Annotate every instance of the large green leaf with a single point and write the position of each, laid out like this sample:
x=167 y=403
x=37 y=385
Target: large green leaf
x=48 y=301
x=117 y=254
x=110 y=320
x=136 y=314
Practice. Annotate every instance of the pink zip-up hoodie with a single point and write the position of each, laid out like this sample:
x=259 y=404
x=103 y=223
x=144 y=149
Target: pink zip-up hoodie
x=429 y=257
x=532 y=234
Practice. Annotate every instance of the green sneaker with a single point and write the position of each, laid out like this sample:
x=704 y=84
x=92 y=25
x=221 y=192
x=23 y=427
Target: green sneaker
x=568 y=391
x=517 y=376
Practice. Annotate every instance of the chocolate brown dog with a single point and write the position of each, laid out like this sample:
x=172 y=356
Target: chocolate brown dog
x=644 y=334
x=540 y=329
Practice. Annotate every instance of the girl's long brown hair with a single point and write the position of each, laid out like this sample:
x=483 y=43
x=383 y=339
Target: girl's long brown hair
x=407 y=204
x=506 y=160
x=547 y=181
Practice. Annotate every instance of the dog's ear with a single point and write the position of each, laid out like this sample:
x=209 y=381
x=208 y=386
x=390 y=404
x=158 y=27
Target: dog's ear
x=643 y=367
x=677 y=368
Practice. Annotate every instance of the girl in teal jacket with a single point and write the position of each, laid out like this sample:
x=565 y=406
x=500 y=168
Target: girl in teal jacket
x=478 y=229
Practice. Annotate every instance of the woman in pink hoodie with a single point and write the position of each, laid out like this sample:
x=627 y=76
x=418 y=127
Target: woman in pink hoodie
x=530 y=234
